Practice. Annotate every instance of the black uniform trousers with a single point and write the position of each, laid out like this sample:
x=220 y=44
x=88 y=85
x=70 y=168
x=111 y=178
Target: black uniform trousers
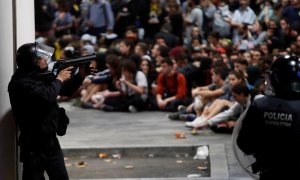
x=36 y=163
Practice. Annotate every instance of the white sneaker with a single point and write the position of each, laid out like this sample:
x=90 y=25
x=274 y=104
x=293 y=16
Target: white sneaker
x=189 y=124
x=199 y=121
x=132 y=109
x=97 y=97
x=181 y=108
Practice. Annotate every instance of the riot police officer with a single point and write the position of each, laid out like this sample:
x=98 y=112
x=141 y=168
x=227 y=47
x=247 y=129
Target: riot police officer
x=270 y=130
x=33 y=94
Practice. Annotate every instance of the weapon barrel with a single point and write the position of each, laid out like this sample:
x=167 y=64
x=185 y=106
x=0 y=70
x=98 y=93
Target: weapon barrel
x=79 y=60
x=64 y=63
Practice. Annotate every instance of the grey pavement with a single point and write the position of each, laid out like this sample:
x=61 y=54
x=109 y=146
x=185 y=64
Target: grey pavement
x=92 y=130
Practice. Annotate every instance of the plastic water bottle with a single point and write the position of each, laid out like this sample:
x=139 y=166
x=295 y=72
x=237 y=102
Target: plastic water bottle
x=202 y=152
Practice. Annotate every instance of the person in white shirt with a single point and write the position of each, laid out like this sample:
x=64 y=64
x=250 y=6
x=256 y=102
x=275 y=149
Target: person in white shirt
x=132 y=90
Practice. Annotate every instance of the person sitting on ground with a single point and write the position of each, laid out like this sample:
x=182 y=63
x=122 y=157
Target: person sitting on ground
x=70 y=53
x=151 y=75
x=234 y=78
x=102 y=84
x=133 y=90
x=141 y=49
x=241 y=65
x=171 y=88
x=89 y=85
x=224 y=122
x=203 y=95
x=126 y=48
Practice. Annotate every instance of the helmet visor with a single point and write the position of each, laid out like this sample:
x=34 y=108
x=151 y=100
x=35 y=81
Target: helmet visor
x=269 y=89
x=44 y=51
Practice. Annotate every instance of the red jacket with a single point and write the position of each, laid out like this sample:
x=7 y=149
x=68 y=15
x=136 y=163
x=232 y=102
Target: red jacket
x=169 y=85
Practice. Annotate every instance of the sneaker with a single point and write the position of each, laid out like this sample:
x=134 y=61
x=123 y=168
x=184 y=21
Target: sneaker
x=108 y=108
x=201 y=123
x=87 y=105
x=181 y=108
x=174 y=116
x=198 y=122
x=132 y=109
x=77 y=102
x=97 y=97
x=221 y=128
x=187 y=117
x=189 y=124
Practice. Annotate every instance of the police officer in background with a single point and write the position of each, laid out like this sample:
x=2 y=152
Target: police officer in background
x=33 y=96
x=270 y=131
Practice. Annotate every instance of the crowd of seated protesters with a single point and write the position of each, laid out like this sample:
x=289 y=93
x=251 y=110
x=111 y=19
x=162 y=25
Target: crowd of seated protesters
x=201 y=61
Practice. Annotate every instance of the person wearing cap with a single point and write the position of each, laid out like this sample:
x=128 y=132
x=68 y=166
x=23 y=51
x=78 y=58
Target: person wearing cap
x=87 y=50
x=88 y=39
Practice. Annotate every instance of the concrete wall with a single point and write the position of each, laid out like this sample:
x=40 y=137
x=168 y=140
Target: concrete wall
x=25 y=22
x=17 y=27
x=7 y=125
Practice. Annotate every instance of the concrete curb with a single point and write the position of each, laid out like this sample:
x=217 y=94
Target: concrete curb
x=218 y=161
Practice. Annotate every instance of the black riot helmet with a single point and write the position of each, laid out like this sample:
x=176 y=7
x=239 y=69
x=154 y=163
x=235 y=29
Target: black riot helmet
x=283 y=77
x=28 y=54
